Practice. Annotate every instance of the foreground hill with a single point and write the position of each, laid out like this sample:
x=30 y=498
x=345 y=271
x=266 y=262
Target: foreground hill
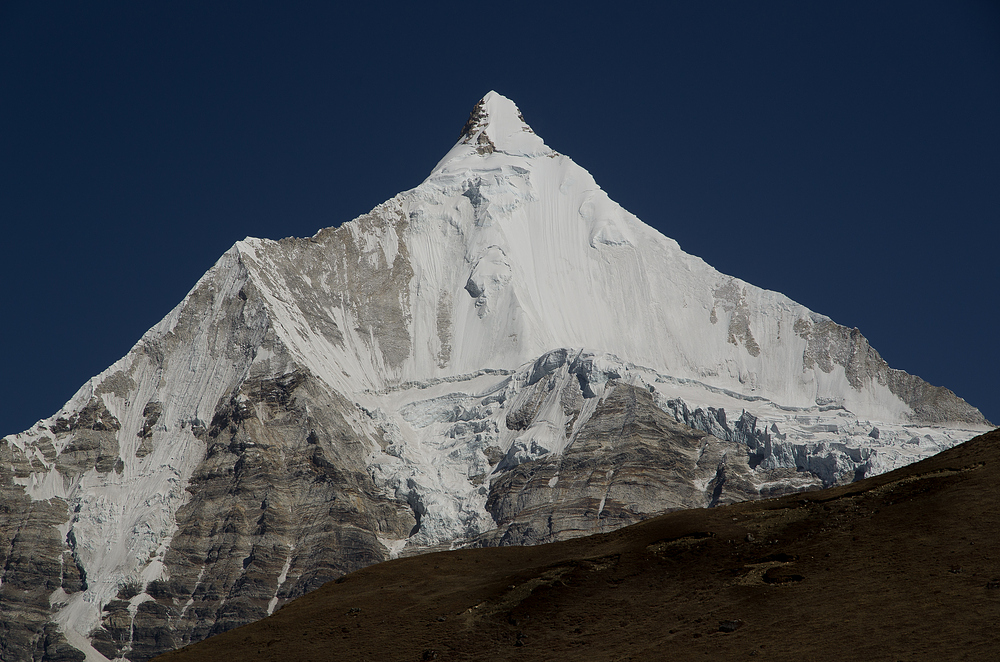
x=900 y=566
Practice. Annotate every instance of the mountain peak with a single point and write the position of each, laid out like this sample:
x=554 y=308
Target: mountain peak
x=504 y=312
x=496 y=125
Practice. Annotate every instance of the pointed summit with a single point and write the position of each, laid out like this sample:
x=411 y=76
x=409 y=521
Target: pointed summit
x=496 y=125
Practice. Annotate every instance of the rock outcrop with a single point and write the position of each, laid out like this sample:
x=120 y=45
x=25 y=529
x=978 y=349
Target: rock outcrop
x=281 y=504
x=624 y=459
x=39 y=567
x=830 y=345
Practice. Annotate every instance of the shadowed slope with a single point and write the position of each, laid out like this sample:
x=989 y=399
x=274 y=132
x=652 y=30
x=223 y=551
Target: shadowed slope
x=903 y=565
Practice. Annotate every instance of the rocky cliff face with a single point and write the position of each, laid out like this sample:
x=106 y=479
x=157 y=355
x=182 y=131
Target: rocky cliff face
x=630 y=461
x=502 y=355
x=38 y=563
x=281 y=504
x=830 y=346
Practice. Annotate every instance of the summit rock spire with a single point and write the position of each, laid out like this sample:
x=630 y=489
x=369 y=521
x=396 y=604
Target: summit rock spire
x=496 y=125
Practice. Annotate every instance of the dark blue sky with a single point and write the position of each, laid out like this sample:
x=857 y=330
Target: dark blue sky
x=846 y=154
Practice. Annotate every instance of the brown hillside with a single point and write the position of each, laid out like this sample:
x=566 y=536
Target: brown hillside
x=904 y=566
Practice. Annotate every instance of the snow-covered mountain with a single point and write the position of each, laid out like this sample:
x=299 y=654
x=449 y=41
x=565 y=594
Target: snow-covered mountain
x=501 y=355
